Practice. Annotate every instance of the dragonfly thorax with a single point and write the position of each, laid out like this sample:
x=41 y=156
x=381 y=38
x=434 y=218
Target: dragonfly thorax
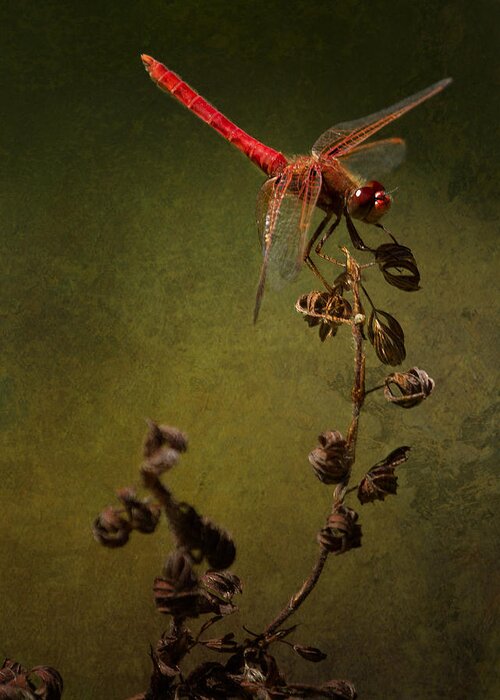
x=369 y=202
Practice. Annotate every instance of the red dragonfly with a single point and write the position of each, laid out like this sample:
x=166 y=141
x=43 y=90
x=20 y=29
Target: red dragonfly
x=296 y=186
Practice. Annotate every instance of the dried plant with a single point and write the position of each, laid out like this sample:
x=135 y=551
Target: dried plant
x=196 y=580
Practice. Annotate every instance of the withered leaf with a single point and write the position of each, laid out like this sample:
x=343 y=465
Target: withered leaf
x=210 y=680
x=309 y=653
x=398 y=266
x=380 y=481
x=387 y=338
x=224 y=645
x=281 y=634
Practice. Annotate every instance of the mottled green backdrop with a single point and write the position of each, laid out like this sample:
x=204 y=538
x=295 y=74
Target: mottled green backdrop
x=130 y=260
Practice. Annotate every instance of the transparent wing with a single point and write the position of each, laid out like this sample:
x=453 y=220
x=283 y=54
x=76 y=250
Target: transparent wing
x=343 y=137
x=371 y=160
x=284 y=210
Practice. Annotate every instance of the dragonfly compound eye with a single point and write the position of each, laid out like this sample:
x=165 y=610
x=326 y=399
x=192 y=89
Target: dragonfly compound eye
x=369 y=203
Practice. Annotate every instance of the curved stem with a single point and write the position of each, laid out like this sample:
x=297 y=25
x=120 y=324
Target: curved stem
x=298 y=598
x=358 y=394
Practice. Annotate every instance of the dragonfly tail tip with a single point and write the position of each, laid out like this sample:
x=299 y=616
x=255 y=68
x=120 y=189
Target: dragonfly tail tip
x=147 y=60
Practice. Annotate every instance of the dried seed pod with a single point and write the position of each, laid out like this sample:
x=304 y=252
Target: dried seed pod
x=329 y=460
x=186 y=524
x=328 y=310
x=111 y=528
x=380 y=481
x=177 y=593
x=341 y=532
x=143 y=516
x=398 y=266
x=49 y=683
x=413 y=387
x=217 y=546
x=387 y=338
x=179 y=571
x=163 y=459
x=160 y=435
x=170 y=601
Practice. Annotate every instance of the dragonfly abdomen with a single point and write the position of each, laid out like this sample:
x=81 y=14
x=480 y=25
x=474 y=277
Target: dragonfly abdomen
x=267 y=159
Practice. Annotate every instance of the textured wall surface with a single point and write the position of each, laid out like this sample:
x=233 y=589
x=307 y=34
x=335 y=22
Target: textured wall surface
x=130 y=260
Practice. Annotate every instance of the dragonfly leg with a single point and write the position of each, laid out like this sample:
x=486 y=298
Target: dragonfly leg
x=307 y=253
x=356 y=239
x=325 y=237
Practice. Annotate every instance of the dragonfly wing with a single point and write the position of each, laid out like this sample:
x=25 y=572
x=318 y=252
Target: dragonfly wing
x=340 y=139
x=284 y=210
x=371 y=160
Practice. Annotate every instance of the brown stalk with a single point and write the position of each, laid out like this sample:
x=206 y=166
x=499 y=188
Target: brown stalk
x=358 y=396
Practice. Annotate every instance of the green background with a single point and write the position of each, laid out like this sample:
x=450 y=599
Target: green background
x=130 y=261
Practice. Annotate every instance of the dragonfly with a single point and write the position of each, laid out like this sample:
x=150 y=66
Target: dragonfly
x=326 y=179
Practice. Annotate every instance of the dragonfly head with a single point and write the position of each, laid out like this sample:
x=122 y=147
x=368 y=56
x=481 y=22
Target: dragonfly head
x=369 y=203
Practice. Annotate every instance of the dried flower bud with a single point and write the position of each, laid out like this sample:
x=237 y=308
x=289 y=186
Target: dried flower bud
x=170 y=601
x=143 y=516
x=387 y=338
x=217 y=545
x=328 y=310
x=341 y=532
x=179 y=571
x=398 y=266
x=176 y=593
x=162 y=460
x=413 y=386
x=49 y=683
x=329 y=460
x=160 y=435
x=110 y=528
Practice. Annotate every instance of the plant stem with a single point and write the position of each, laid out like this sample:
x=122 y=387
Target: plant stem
x=298 y=598
x=358 y=397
